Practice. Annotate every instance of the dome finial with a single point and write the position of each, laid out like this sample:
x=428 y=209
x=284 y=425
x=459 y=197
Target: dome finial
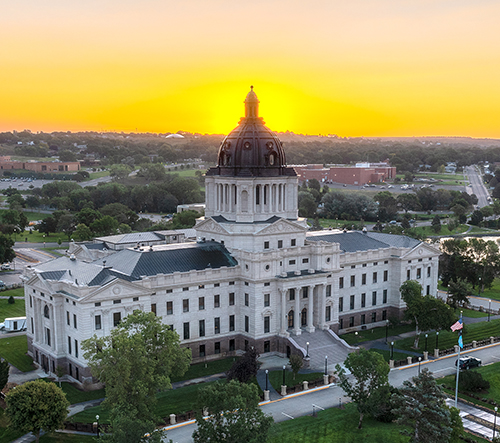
x=251 y=104
x=251 y=86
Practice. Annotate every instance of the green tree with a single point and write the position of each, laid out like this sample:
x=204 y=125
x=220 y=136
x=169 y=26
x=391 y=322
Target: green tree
x=421 y=406
x=233 y=414
x=370 y=372
x=4 y=373
x=152 y=171
x=82 y=232
x=245 y=368
x=106 y=225
x=436 y=224
x=458 y=291
x=296 y=362
x=7 y=253
x=185 y=219
x=66 y=224
x=118 y=172
x=136 y=361
x=35 y=406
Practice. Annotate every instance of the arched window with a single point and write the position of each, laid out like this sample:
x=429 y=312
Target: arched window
x=291 y=316
x=303 y=317
x=46 y=312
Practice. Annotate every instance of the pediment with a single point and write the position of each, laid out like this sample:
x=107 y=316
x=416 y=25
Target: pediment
x=421 y=250
x=116 y=289
x=209 y=225
x=281 y=226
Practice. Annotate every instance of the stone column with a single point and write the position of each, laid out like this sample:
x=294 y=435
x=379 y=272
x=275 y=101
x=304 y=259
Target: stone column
x=322 y=307
x=283 y=311
x=296 y=320
x=266 y=395
x=310 y=309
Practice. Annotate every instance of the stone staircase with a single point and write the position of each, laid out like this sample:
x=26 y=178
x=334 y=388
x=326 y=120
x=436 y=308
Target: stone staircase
x=321 y=344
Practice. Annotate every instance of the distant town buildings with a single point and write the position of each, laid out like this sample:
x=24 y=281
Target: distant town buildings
x=6 y=163
x=360 y=174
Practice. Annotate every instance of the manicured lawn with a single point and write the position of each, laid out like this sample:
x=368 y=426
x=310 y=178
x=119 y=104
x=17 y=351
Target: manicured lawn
x=375 y=333
x=7 y=434
x=17 y=292
x=490 y=373
x=494 y=292
x=428 y=231
x=58 y=437
x=94 y=175
x=37 y=237
x=447 y=339
x=15 y=310
x=276 y=378
x=477 y=230
x=471 y=313
x=387 y=354
x=31 y=216
x=334 y=223
x=203 y=369
x=14 y=349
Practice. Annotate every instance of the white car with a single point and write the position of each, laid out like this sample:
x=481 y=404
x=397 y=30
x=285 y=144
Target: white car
x=5 y=267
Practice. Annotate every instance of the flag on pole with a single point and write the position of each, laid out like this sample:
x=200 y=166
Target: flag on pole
x=456 y=326
x=460 y=342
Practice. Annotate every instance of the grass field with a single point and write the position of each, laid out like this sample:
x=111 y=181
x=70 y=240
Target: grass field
x=387 y=354
x=334 y=223
x=428 y=231
x=14 y=349
x=375 y=333
x=31 y=216
x=15 y=310
x=6 y=434
x=494 y=292
x=75 y=395
x=448 y=339
x=37 y=237
x=276 y=378
x=471 y=313
x=94 y=175
x=208 y=368
x=17 y=292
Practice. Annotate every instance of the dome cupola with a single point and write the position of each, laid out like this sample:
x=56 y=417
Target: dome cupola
x=251 y=149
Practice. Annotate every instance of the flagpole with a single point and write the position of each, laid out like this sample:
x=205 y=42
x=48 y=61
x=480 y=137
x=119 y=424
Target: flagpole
x=458 y=361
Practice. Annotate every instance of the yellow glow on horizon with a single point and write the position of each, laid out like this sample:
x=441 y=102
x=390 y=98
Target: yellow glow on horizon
x=360 y=68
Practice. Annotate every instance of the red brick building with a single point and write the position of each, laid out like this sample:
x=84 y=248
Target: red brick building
x=53 y=166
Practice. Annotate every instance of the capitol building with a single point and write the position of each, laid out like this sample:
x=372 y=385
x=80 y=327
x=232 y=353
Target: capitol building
x=256 y=276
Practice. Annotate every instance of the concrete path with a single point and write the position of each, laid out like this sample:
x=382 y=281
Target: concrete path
x=261 y=379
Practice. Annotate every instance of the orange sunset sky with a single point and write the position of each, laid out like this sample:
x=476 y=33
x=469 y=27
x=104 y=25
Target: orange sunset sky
x=346 y=67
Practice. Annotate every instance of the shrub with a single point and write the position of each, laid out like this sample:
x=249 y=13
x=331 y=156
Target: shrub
x=11 y=300
x=472 y=381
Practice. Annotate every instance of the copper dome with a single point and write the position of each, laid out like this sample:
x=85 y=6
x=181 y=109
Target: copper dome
x=251 y=149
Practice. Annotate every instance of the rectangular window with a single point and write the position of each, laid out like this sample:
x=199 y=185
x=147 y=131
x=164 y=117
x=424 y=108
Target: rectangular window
x=305 y=260
x=267 y=325
x=217 y=325
x=328 y=313
x=247 y=323
x=137 y=298
x=363 y=279
x=374 y=277
x=201 y=286
x=384 y=296
x=117 y=317
x=428 y=271
x=375 y=263
x=217 y=347
x=363 y=319
x=305 y=292
x=201 y=328
x=267 y=283
x=216 y=285
x=267 y=346
x=353 y=266
x=341 y=304
x=266 y=245
x=328 y=290
x=202 y=350
x=231 y=283
x=32 y=326
x=231 y=322
x=247 y=300
x=47 y=336
x=153 y=308
x=293 y=242
x=217 y=301
x=97 y=304
x=291 y=262
x=98 y=324
x=170 y=307
x=384 y=315
x=363 y=300
x=201 y=303
x=419 y=273
x=408 y=274
x=116 y=302
x=280 y=244
x=69 y=345
x=168 y=291
x=185 y=305
x=232 y=345
x=351 y=322
x=267 y=300
x=186 y=288
x=374 y=298
x=351 y=302
x=68 y=321
x=428 y=290
x=231 y=299
x=353 y=280
x=31 y=301
x=186 y=330
x=292 y=293
x=74 y=321
x=386 y=275
x=341 y=323
x=374 y=317
x=76 y=348
x=341 y=282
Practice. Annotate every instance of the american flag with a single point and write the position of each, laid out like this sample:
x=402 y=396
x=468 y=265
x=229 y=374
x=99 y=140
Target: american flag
x=458 y=325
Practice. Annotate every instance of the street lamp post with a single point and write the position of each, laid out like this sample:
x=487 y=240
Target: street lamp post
x=97 y=420
x=284 y=375
x=495 y=422
x=386 y=330
x=326 y=364
x=419 y=360
x=426 y=336
x=307 y=352
x=437 y=338
x=392 y=350
x=479 y=289
x=267 y=380
x=489 y=309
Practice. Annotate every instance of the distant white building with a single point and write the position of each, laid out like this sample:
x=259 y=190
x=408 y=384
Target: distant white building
x=255 y=277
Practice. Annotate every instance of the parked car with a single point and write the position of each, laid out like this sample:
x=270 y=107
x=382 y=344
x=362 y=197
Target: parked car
x=2 y=285
x=393 y=222
x=5 y=267
x=467 y=362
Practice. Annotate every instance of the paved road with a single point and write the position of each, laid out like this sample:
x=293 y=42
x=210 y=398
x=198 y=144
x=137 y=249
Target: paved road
x=477 y=186
x=328 y=397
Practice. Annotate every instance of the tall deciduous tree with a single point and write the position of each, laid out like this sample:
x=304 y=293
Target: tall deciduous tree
x=370 y=372
x=4 y=373
x=421 y=406
x=136 y=361
x=35 y=406
x=458 y=291
x=245 y=368
x=7 y=253
x=233 y=414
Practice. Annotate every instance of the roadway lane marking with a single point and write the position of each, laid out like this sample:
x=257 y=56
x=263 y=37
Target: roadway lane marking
x=286 y=415
x=319 y=407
